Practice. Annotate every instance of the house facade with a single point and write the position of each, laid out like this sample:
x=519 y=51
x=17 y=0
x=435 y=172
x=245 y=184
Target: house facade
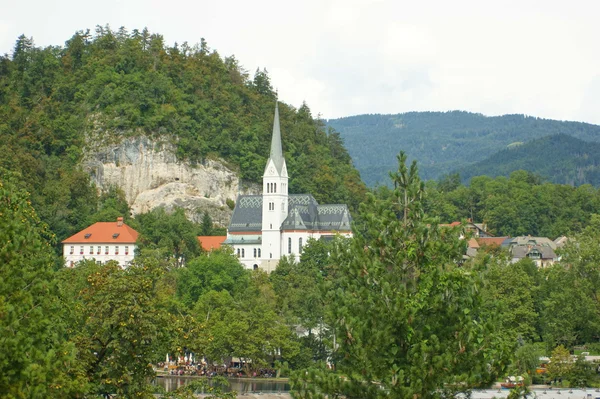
x=266 y=227
x=102 y=242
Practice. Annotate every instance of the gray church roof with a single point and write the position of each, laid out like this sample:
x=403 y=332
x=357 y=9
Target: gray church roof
x=304 y=213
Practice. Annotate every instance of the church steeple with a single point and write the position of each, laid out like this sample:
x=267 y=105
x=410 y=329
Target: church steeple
x=276 y=154
x=275 y=195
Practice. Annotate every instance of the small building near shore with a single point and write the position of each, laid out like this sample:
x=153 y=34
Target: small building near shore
x=102 y=242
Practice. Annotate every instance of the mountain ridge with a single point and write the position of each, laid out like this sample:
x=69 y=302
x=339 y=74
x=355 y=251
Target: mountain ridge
x=441 y=142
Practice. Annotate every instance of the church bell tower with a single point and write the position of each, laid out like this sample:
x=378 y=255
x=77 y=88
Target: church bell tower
x=274 y=195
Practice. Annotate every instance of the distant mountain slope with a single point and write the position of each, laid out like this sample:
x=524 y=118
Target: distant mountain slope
x=559 y=158
x=441 y=141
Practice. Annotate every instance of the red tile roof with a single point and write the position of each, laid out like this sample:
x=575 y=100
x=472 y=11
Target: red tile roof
x=473 y=243
x=453 y=224
x=491 y=241
x=209 y=243
x=104 y=232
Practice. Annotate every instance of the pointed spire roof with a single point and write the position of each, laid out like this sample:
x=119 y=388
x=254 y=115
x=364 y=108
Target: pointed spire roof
x=276 y=151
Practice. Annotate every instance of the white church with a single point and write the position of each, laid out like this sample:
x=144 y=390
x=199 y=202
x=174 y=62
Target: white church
x=266 y=227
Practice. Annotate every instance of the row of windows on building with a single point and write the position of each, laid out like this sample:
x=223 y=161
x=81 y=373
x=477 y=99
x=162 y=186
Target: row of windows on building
x=99 y=250
x=272 y=187
x=242 y=253
x=272 y=206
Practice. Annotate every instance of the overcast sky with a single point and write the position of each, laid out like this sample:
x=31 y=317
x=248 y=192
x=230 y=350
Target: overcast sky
x=348 y=57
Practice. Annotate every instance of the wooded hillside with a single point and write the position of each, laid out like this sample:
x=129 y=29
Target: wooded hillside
x=559 y=158
x=442 y=142
x=111 y=84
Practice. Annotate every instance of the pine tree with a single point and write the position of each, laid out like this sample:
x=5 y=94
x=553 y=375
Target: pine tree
x=405 y=313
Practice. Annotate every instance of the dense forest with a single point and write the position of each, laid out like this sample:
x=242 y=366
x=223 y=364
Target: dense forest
x=113 y=84
x=394 y=312
x=443 y=142
x=521 y=204
x=559 y=159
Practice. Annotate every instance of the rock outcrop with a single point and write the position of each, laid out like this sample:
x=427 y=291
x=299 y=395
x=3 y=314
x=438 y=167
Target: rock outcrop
x=151 y=176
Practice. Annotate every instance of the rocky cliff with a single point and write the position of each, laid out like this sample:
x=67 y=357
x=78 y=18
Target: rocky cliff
x=151 y=176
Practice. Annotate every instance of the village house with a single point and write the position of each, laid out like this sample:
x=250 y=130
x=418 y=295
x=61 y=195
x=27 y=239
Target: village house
x=540 y=250
x=102 y=242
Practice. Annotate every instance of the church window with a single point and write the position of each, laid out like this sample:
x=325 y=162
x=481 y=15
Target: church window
x=238 y=252
x=267 y=188
x=255 y=252
x=300 y=245
x=259 y=252
x=271 y=255
x=243 y=254
x=274 y=187
x=289 y=245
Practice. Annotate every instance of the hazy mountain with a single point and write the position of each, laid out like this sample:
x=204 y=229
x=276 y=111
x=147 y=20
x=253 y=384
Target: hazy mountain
x=559 y=158
x=442 y=142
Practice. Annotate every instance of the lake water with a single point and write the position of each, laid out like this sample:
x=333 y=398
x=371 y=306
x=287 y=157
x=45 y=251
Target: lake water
x=245 y=386
x=241 y=385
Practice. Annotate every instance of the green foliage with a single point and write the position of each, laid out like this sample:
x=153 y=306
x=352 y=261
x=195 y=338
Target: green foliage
x=509 y=300
x=517 y=205
x=449 y=141
x=218 y=270
x=116 y=324
x=104 y=86
x=35 y=361
x=561 y=364
x=206 y=226
x=247 y=326
x=407 y=317
x=171 y=232
x=559 y=159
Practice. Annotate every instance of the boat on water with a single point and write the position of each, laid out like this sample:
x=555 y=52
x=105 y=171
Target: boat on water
x=513 y=382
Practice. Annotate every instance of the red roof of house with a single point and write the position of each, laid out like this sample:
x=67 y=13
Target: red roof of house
x=105 y=232
x=453 y=224
x=485 y=241
x=209 y=243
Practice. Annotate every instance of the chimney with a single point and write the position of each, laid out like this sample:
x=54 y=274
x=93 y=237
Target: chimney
x=119 y=221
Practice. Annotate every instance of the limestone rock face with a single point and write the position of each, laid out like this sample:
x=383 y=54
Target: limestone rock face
x=151 y=176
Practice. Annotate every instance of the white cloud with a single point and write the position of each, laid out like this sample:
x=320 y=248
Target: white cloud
x=346 y=57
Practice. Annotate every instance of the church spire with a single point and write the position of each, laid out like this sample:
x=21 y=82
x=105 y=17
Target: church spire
x=276 y=151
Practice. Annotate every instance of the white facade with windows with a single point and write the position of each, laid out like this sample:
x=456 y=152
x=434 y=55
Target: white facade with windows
x=101 y=242
x=266 y=227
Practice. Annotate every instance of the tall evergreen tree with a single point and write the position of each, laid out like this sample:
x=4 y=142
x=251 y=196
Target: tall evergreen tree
x=406 y=315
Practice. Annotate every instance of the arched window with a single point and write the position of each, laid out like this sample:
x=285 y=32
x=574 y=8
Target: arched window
x=255 y=252
x=255 y=267
x=267 y=188
x=243 y=255
x=300 y=245
x=274 y=187
x=238 y=252
x=259 y=252
x=289 y=245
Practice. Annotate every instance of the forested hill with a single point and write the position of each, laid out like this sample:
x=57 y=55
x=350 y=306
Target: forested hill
x=123 y=84
x=441 y=142
x=559 y=159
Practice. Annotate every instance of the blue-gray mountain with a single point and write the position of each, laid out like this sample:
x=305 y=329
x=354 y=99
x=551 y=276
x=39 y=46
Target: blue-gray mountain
x=445 y=142
x=559 y=158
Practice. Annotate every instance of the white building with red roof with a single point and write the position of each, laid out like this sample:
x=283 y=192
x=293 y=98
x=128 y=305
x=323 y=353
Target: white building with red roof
x=102 y=242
